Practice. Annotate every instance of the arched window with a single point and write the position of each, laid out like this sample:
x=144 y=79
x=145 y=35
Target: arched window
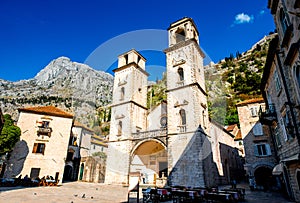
x=182 y=117
x=181 y=74
x=122 y=93
x=180 y=35
x=283 y=20
x=120 y=126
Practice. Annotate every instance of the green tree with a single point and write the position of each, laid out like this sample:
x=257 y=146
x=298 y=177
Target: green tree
x=10 y=135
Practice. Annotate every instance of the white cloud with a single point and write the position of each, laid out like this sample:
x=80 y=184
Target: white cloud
x=262 y=12
x=243 y=18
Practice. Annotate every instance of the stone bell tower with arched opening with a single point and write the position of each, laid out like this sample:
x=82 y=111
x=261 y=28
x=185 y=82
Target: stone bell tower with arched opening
x=128 y=113
x=187 y=104
x=166 y=139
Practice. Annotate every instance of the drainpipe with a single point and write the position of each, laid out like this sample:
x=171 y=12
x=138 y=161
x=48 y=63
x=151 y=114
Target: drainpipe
x=289 y=103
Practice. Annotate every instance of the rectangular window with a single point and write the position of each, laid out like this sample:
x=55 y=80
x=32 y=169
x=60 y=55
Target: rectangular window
x=277 y=137
x=262 y=150
x=35 y=172
x=281 y=122
x=45 y=124
x=253 y=111
x=286 y=125
x=38 y=148
x=277 y=82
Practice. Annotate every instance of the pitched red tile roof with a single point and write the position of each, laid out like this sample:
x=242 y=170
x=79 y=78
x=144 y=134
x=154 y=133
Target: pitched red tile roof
x=78 y=124
x=250 y=101
x=231 y=127
x=238 y=136
x=47 y=110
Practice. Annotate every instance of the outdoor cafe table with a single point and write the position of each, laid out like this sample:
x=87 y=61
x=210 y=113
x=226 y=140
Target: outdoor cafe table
x=184 y=195
x=162 y=191
x=235 y=195
x=219 y=197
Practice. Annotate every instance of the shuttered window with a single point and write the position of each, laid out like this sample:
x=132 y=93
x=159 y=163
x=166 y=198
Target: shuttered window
x=39 y=148
x=262 y=150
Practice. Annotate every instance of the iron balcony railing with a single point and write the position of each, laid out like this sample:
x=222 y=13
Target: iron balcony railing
x=268 y=115
x=44 y=131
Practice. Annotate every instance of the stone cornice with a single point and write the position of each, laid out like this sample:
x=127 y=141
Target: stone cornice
x=190 y=85
x=130 y=65
x=127 y=102
x=181 y=21
x=183 y=44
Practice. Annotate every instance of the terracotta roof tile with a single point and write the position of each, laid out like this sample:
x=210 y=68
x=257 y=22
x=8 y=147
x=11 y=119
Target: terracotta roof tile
x=238 y=136
x=78 y=124
x=231 y=127
x=250 y=101
x=46 y=110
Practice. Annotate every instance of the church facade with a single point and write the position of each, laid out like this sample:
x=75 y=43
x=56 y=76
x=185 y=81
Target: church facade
x=174 y=143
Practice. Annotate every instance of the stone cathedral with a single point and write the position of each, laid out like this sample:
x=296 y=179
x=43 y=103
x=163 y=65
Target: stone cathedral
x=174 y=143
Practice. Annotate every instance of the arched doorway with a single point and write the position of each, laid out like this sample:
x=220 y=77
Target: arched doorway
x=68 y=173
x=264 y=178
x=150 y=159
x=81 y=171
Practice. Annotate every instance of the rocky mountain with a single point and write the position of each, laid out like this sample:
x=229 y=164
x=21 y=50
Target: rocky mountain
x=79 y=89
x=72 y=86
x=234 y=79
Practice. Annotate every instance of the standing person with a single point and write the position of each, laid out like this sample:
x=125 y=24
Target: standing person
x=143 y=178
x=233 y=185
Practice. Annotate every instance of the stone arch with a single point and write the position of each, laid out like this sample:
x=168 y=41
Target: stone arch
x=180 y=74
x=149 y=157
x=146 y=140
x=182 y=114
x=263 y=176
x=180 y=35
x=81 y=170
x=122 y=93
x=68 y=171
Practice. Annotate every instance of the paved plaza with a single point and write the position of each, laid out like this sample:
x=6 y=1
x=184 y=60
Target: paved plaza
x=79 y=192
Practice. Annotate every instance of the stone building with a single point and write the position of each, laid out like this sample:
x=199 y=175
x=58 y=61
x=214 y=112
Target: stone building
x=281 y=92
x=236 y=132
x=173 y=143
x=92 y=157
x=42 y=149
x=79 y=147
x=260 y=156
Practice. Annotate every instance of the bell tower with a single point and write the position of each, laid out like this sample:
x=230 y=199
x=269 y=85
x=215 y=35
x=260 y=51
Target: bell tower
x=128 y=113
x=187 y=97
x=187 y=101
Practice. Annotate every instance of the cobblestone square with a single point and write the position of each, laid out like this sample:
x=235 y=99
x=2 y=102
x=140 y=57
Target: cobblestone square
x=79 y=192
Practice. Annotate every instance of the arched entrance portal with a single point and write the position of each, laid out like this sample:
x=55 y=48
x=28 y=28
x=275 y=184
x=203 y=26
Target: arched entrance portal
x=150 y=159
x=264 y=178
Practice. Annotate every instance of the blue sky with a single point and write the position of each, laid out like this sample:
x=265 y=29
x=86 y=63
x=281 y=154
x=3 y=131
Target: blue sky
x=34 y=32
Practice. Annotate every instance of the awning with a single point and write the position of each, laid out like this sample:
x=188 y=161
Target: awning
x=291 y=158
x=277 y=170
